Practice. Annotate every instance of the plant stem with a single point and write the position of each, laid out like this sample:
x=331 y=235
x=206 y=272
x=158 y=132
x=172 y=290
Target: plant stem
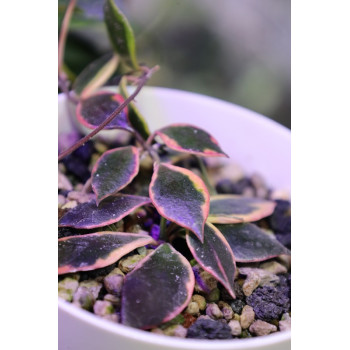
x=205 y=176
x=82 y=141
x=63 y=34
x=163 y=235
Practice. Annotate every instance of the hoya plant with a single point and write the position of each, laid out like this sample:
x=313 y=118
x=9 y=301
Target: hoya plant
x=218 y=229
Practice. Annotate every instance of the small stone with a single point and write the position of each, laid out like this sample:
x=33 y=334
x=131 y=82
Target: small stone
x=193 y=308
x=260 y=327
x=80 y=197
x=248 y=192
x=200 y=300
x=175 y=331
x=237 y=306
x=61 y=200
x=226 y=310
x=113 y=299
x=189 y=320
x=237 y=317
x=209 y=329
x=236 y=328
x=103 y=307
x=93 y=286
x=285 y=323
x=113 y=282
x=247 y=317
x=135 y=229
x=213 y=311
x=285 y=260
x=100 y=147
x=252 y=281
x=203 y=317
x=70 y=205
x=280 y=194
x=274 y=267
x=157 y=331
x=127 y=264
x=83 y=298
x=214 y=295
x=67 y=287
x=63 y=182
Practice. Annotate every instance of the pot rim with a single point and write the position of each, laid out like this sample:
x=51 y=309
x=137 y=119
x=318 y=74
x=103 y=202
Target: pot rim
x=141 y=336
x=163 y=340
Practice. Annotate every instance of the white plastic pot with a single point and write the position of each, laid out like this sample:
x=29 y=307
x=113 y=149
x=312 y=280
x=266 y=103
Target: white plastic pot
x=251 y=140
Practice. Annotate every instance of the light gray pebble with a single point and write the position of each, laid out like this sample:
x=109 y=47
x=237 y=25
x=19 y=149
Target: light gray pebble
x=213 y=311
x=193 y=308
x=273 y=267
x=80 y=197
x=236 y=328
x=127 y=264
x=260 y=327
x=83 y=298
x=61 y=200
x=103 y=307
x=247 y=316
x=114 y=283
x=63 y=182
x=112 y=299
x=93 y=286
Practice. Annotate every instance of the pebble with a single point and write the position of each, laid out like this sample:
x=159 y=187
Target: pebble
x=103 y=307
x=61 y=200
x=252 y=282
x=193 y=308
x=114 y=281
x=236 y=328
x=274 y=267
x=64 y=183
x=175 y=331
x=285 y=323
x=200 y=300
x=112 y=299
x=257 y=277
x=67 y=287
x=280 y=194
x=226 y=310
x=247 y=317
x=203 y=317
x=205 y=282
x=214 y=295
x=128 y=264
x=83 y=298
x=70 y=205
x=260 y=327
x=80 y=197
x=92 y=286
x=213 y=311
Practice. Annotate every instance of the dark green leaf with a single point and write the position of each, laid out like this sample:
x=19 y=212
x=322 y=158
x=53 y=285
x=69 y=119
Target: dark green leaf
x=158 y=288
x=249 y=243
x=111 y=210
x=231 y=209
x=94 y=110
x=180 y=196
x=120 y=33
x=190 y=139
x=114 y=170
x=214 y=256
x=96 y=250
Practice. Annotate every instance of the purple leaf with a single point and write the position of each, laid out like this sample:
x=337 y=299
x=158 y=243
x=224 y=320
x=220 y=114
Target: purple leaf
x=158 y=289
x=114 y=170
x=94 y=110
x=180 y=196
x=190 y=139
x=96 y=250
x=214 y=256
x=232 y=209
x=249 y=243
x=113 y=209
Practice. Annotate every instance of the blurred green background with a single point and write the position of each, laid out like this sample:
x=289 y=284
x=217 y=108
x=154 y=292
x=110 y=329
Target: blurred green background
x=235 y=50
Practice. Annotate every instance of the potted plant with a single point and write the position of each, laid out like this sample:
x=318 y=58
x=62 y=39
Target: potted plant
x=145 y=240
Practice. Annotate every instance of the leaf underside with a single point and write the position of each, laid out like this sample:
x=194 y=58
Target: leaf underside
x=215 y=256
x=180 y=196
x=231 y=209
x=158 y=289
x=114 y=170
x=190 y=139
x=111 y=210
x=96 y=250
x=249 y=243
x=94 y=110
